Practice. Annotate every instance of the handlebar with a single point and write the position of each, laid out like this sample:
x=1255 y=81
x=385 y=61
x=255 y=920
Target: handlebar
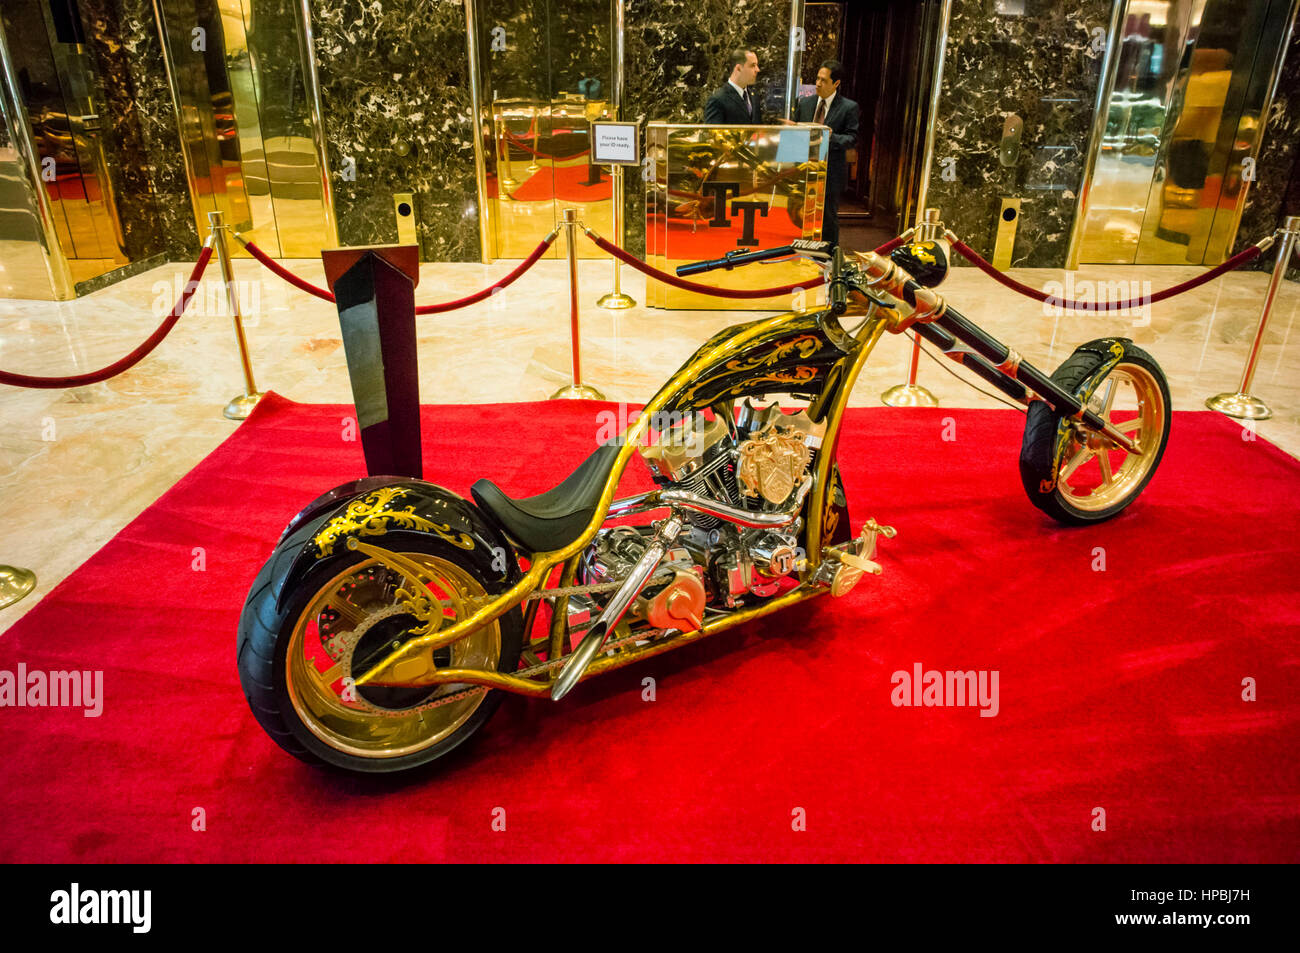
x=734 y=259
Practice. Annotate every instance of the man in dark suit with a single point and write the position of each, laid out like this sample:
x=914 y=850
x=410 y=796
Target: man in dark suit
x=829 y=108
x=732 y=103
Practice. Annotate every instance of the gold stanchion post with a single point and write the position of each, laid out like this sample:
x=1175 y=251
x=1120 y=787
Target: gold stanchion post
x=15 y=583
x=240 y=407
x=616 y=300
x=577 y=390
x=913 y=394
x=1241 y=404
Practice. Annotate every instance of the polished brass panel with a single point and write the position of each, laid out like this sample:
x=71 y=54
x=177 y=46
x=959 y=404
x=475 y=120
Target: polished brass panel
x=1183 y=120
x=1008 y=220
x=543 y=166
x=404 y=212
x=32 y=263
x=52 y=103
x=782 y=168
x=250 y=120
x=1100 y=120
x=87 y=195
x=542 y=70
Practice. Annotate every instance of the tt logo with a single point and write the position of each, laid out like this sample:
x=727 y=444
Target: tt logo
x=720 y=191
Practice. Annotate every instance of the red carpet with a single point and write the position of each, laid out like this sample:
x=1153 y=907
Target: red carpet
x=1118 y=689
x=565 y=184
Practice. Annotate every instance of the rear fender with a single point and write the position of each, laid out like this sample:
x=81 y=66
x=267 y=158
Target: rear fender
x=383 y=511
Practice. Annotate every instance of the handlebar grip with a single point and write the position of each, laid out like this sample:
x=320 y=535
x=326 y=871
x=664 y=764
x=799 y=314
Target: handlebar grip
x=696 y=268
x=838 y=292
x=839 y=296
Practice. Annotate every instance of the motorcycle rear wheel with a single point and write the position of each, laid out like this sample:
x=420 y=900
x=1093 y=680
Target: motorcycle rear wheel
x=1074 y=477
x=293 y=664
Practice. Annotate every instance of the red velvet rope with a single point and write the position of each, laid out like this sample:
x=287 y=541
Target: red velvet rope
x=135 y=357
x=527 y=263
x=676 y=282
x=276 y=268
x=893 y=243
x=307 y=286
x=975 y=259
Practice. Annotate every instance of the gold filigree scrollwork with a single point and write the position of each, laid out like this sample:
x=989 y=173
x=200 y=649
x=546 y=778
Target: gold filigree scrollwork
x=375 y=514
x=804 y=346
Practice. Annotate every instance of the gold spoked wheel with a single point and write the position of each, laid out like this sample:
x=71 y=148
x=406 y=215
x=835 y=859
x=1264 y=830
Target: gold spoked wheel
x=1095 y=474
x=354 y=620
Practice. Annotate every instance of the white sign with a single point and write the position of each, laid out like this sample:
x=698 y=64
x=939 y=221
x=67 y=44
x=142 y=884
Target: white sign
x=615 y=143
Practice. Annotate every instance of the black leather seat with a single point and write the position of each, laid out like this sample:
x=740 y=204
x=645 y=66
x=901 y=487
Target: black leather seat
x=553 y=519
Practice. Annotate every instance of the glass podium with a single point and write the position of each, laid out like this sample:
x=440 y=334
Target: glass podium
x=717 y=189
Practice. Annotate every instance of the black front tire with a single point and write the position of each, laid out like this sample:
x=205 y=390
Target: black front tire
x=1067 y=473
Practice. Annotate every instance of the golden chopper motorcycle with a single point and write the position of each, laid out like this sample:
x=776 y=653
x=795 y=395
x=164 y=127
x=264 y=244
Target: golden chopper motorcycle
x=393 y=613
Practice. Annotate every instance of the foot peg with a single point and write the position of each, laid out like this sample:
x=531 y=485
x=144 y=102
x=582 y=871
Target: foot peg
x=854 y=563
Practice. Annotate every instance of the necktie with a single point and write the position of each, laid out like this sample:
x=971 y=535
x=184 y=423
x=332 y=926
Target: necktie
x=749 y=106
x=821 y=112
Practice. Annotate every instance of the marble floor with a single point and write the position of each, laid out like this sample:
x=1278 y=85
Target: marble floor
x=77 y=465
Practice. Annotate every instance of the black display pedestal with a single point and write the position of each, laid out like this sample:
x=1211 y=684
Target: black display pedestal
x=374 y=289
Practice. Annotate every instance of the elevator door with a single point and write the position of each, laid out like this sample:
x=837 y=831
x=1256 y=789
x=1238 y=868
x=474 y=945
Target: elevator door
x=60 y=92
x=545 y=74
x=239 y=79
x=1184 y=119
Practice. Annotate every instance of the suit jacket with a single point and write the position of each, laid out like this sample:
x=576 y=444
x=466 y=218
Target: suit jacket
x=725 y=107
x=842 y=117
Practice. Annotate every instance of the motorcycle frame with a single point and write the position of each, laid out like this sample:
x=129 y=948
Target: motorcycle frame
x=906 y=304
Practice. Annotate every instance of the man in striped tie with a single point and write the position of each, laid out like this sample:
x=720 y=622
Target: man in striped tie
x=829 y=108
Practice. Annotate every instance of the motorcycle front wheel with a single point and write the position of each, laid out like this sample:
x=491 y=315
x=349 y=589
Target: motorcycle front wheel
x=298 y=667
x=1075 y=476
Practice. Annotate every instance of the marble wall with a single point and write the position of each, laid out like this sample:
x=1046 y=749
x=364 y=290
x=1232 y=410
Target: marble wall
x=394 y=87
x=394 y=78
x=141 y=134
x=1043 y=66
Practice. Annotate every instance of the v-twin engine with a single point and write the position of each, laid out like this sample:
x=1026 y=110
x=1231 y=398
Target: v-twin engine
x=755 y=463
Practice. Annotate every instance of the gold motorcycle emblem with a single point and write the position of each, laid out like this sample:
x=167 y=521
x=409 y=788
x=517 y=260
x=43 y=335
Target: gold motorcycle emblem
x=772 y=463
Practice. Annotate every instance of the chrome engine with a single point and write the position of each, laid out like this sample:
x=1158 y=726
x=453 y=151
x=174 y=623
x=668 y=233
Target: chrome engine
x=756 y=464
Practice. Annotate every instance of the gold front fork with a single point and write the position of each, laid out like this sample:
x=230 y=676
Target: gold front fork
x=869 y=335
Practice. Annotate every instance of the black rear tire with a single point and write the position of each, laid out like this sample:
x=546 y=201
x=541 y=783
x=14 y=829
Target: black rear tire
x=299 y=714
x=1057 y=463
